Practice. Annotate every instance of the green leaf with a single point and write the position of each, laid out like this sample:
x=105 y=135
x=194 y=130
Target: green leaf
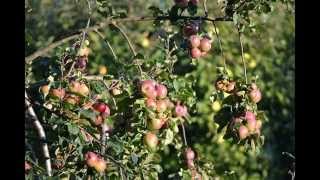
x=89 y=114
x=73 y=129
x=168 y=137
x=139 y=56
x=192 y=9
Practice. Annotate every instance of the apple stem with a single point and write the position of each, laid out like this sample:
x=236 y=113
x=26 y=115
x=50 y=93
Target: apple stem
x=41 y=134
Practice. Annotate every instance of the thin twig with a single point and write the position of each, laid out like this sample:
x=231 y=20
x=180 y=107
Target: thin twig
x=184 y=134
x=41 y=134
x=108 y=21
x=82 y=39
x=126 y=37
x=220 y=45
x=242 y=57
x=103 y=138
x=108 y=44
x=205 y=8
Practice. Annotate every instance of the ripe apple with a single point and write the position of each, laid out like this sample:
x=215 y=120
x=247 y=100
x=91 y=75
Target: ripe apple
x=251 y=124
x=161 y=91
x=255 y=95
x=27 y=166
x=156 y=123
x=151 y=103
x=79 y=88
x=195 y=53
x=100 y=107
x=100 y=165
x=72 y=99
x=189 y=154
x=194 y=41
x=205 y=44
x=91 y=158
x=161 y=105
x=148 y=89
x=45 y=90
x=58 y=93
x=249 y=116
x=151 y=140
x=243 y=132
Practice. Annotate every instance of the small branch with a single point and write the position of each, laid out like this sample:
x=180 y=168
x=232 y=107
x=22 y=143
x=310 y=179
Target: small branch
x=184 y=134
x=242 y=57
x=41 y=134
x=103 y=138
x=108 y=21
x=108 y=44
x=205 y=8
x=220 y=45
x=126 y=37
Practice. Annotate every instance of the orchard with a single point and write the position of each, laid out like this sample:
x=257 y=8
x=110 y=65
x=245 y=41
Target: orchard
x=176 y=89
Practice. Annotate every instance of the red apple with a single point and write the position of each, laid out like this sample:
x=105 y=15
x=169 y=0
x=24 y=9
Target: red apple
x=91 y=158
x=250 y=116
x=255 y=95
x=161 y=91
x=151 y=103
x=189 y=154
x=27 y=166
x=251 y=124
x=195 y=53
x=100 y=107
x=194 y=41
x=106 y=112
x=243 y=132
x=148 y=89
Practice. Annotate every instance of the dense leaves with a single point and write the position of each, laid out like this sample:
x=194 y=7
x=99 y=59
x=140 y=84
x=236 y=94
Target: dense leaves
x=162 y=99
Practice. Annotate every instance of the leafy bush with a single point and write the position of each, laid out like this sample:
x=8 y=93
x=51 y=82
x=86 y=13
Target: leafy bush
x=159 y=89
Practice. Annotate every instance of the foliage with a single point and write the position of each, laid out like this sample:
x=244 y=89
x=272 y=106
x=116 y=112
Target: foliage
x=110 y=66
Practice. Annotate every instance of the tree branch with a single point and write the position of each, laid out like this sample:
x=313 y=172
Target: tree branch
x=108 y=21
x=242 y=57
x=41 y=134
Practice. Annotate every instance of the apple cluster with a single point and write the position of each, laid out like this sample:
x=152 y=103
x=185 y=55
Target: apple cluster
x=199 y=46
x=247 y=125
x=161 y=108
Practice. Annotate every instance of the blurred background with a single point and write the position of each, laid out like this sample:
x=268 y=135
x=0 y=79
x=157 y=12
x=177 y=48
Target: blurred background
x=269 y=52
